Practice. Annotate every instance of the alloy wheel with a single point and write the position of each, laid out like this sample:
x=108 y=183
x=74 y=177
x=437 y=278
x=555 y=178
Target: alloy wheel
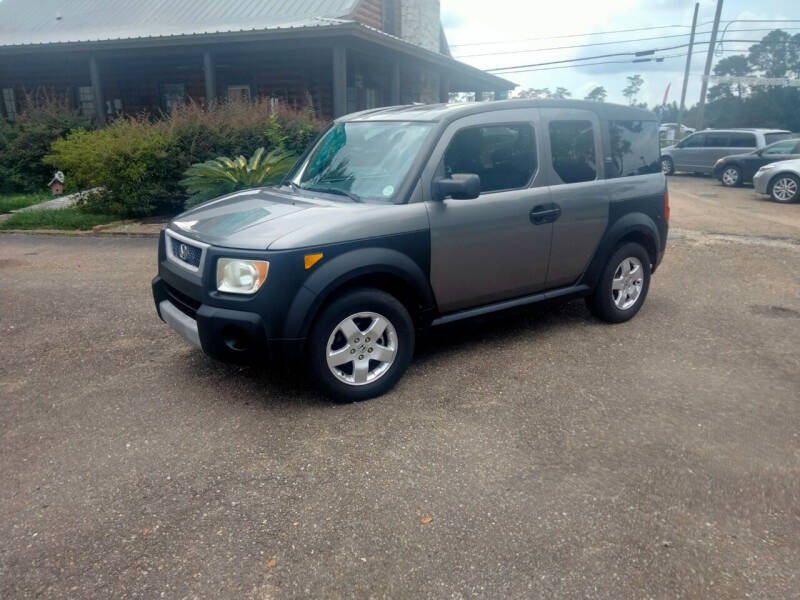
x=361 y=348
x=626 y=285
x=785 y=189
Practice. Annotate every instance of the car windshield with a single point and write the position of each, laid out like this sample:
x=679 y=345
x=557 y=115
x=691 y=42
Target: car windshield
x=365 y=161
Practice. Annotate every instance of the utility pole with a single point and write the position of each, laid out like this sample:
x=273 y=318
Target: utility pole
x=682 y=106
x=707 y=71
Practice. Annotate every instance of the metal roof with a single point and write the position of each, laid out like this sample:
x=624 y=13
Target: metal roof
x=27 y=22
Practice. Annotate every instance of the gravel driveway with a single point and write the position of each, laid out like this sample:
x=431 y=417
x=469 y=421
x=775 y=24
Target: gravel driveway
x=539 y=454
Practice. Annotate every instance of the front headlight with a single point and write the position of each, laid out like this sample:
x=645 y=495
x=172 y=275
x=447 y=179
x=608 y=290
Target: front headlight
x=241 y=276
x=766 y=168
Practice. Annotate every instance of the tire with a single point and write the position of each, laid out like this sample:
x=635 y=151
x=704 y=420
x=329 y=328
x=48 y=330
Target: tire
x=667 y=166
x=344 y=326
x=731 y=176
x=606 y=302
x=785 y=188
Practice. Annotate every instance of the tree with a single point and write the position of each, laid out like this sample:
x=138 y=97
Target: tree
x=631 y=91
x=737 y=66
x=561 y=93
x=598 y=94
x=776 y=55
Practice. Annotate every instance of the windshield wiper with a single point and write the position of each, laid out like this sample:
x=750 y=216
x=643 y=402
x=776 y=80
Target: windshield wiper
x=336 y=191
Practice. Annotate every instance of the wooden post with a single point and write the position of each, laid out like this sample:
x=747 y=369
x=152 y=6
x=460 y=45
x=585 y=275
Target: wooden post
x=444 y=88
x=478 y=96
x=339 y=80
x=394 y=84
x=210 y=76
x=99 y=103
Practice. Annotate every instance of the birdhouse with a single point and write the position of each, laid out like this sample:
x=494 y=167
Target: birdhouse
x=56 y=184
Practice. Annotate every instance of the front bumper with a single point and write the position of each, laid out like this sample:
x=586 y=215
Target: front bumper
x=761 y=181
x=228 y=335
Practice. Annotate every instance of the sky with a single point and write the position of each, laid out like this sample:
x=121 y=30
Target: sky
x=474 y=27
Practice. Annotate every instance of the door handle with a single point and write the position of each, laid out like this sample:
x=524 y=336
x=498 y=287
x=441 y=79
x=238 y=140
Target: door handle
x=545 y=213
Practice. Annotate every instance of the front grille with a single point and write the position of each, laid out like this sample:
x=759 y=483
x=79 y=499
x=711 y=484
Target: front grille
x=182 y=302
x=187 y=253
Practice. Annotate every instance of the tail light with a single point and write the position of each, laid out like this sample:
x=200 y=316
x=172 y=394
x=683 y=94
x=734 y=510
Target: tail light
x=666 y=206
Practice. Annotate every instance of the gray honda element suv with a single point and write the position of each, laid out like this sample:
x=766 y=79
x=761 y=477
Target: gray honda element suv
x=402 y=218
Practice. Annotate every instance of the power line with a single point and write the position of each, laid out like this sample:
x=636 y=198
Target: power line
x=572 y=35
x=615 y=54
x=628 y=41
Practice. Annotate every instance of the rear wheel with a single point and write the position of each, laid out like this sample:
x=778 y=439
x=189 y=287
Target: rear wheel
x=623 y=285
x=361 y=345
x=667 y=166
x=785 y=188
x=731 y=176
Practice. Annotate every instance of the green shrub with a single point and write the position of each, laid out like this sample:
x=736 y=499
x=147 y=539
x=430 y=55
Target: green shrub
x=139 y=162
x=27 y=140
x=223 y=175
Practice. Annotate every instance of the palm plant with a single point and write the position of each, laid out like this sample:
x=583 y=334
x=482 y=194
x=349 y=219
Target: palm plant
x=207 y=180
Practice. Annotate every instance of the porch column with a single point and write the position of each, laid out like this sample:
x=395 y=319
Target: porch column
x=99 y=103
x=210 y=75
x=501 y=95
x=478 y=96
x=339 y=80
x=444 y=88
x=394 y=84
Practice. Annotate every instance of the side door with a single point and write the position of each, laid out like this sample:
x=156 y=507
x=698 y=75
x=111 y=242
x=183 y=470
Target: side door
x=685 y=156
x=577 y=190
x=490 y=248
x=717 y=145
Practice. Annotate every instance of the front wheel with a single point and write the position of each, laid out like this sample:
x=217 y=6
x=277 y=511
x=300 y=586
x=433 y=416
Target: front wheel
x=785 y=189
x=731 y=177
x=361 y=345
x=667 y=166
x=623 y=285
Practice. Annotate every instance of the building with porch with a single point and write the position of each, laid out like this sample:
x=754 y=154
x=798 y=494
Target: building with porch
x=109 y=57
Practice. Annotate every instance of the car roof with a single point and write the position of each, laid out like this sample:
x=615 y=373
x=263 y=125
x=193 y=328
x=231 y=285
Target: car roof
x=450 y=112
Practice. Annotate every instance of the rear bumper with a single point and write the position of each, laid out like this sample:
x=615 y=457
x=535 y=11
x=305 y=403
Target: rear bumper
x=228 y=335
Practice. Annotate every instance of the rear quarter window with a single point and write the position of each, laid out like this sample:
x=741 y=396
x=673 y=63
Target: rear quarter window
x=634 y=148
x=742 y=140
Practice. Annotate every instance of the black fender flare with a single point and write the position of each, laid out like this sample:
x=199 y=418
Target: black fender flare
x=635 y=222
x=348 y=266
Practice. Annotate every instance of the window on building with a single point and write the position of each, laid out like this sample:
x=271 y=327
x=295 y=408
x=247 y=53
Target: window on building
x=9 y=104
x=503 y=156
x=173 y=95
x=634 y=148
x=86 y=101
x=239 y=93
x=572 y=148
x=742 y=140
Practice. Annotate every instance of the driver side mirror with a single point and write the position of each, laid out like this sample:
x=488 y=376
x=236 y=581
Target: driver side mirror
x=459 y=186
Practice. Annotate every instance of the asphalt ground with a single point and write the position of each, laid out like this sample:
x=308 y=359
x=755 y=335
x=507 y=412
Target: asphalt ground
x=539 y=454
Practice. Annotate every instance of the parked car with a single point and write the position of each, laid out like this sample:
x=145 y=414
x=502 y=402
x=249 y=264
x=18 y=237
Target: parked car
x=780 y=180
x=737 y=169
x=403 y=218
x=700 y=151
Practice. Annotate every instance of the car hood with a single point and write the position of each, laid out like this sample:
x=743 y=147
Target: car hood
x=258 y=219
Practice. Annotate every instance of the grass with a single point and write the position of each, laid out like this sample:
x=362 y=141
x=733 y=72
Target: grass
x=9 y=202
x=63 y=218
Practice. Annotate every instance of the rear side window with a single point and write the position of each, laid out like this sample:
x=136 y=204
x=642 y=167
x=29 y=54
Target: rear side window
x=572 y=148
x=776 y=137
x=717 y=140
x=742 y=140
x=634 y=148
x=503 y=156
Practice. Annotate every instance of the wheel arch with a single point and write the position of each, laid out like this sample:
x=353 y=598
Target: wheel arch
x=632 y=227
x=385 y=269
